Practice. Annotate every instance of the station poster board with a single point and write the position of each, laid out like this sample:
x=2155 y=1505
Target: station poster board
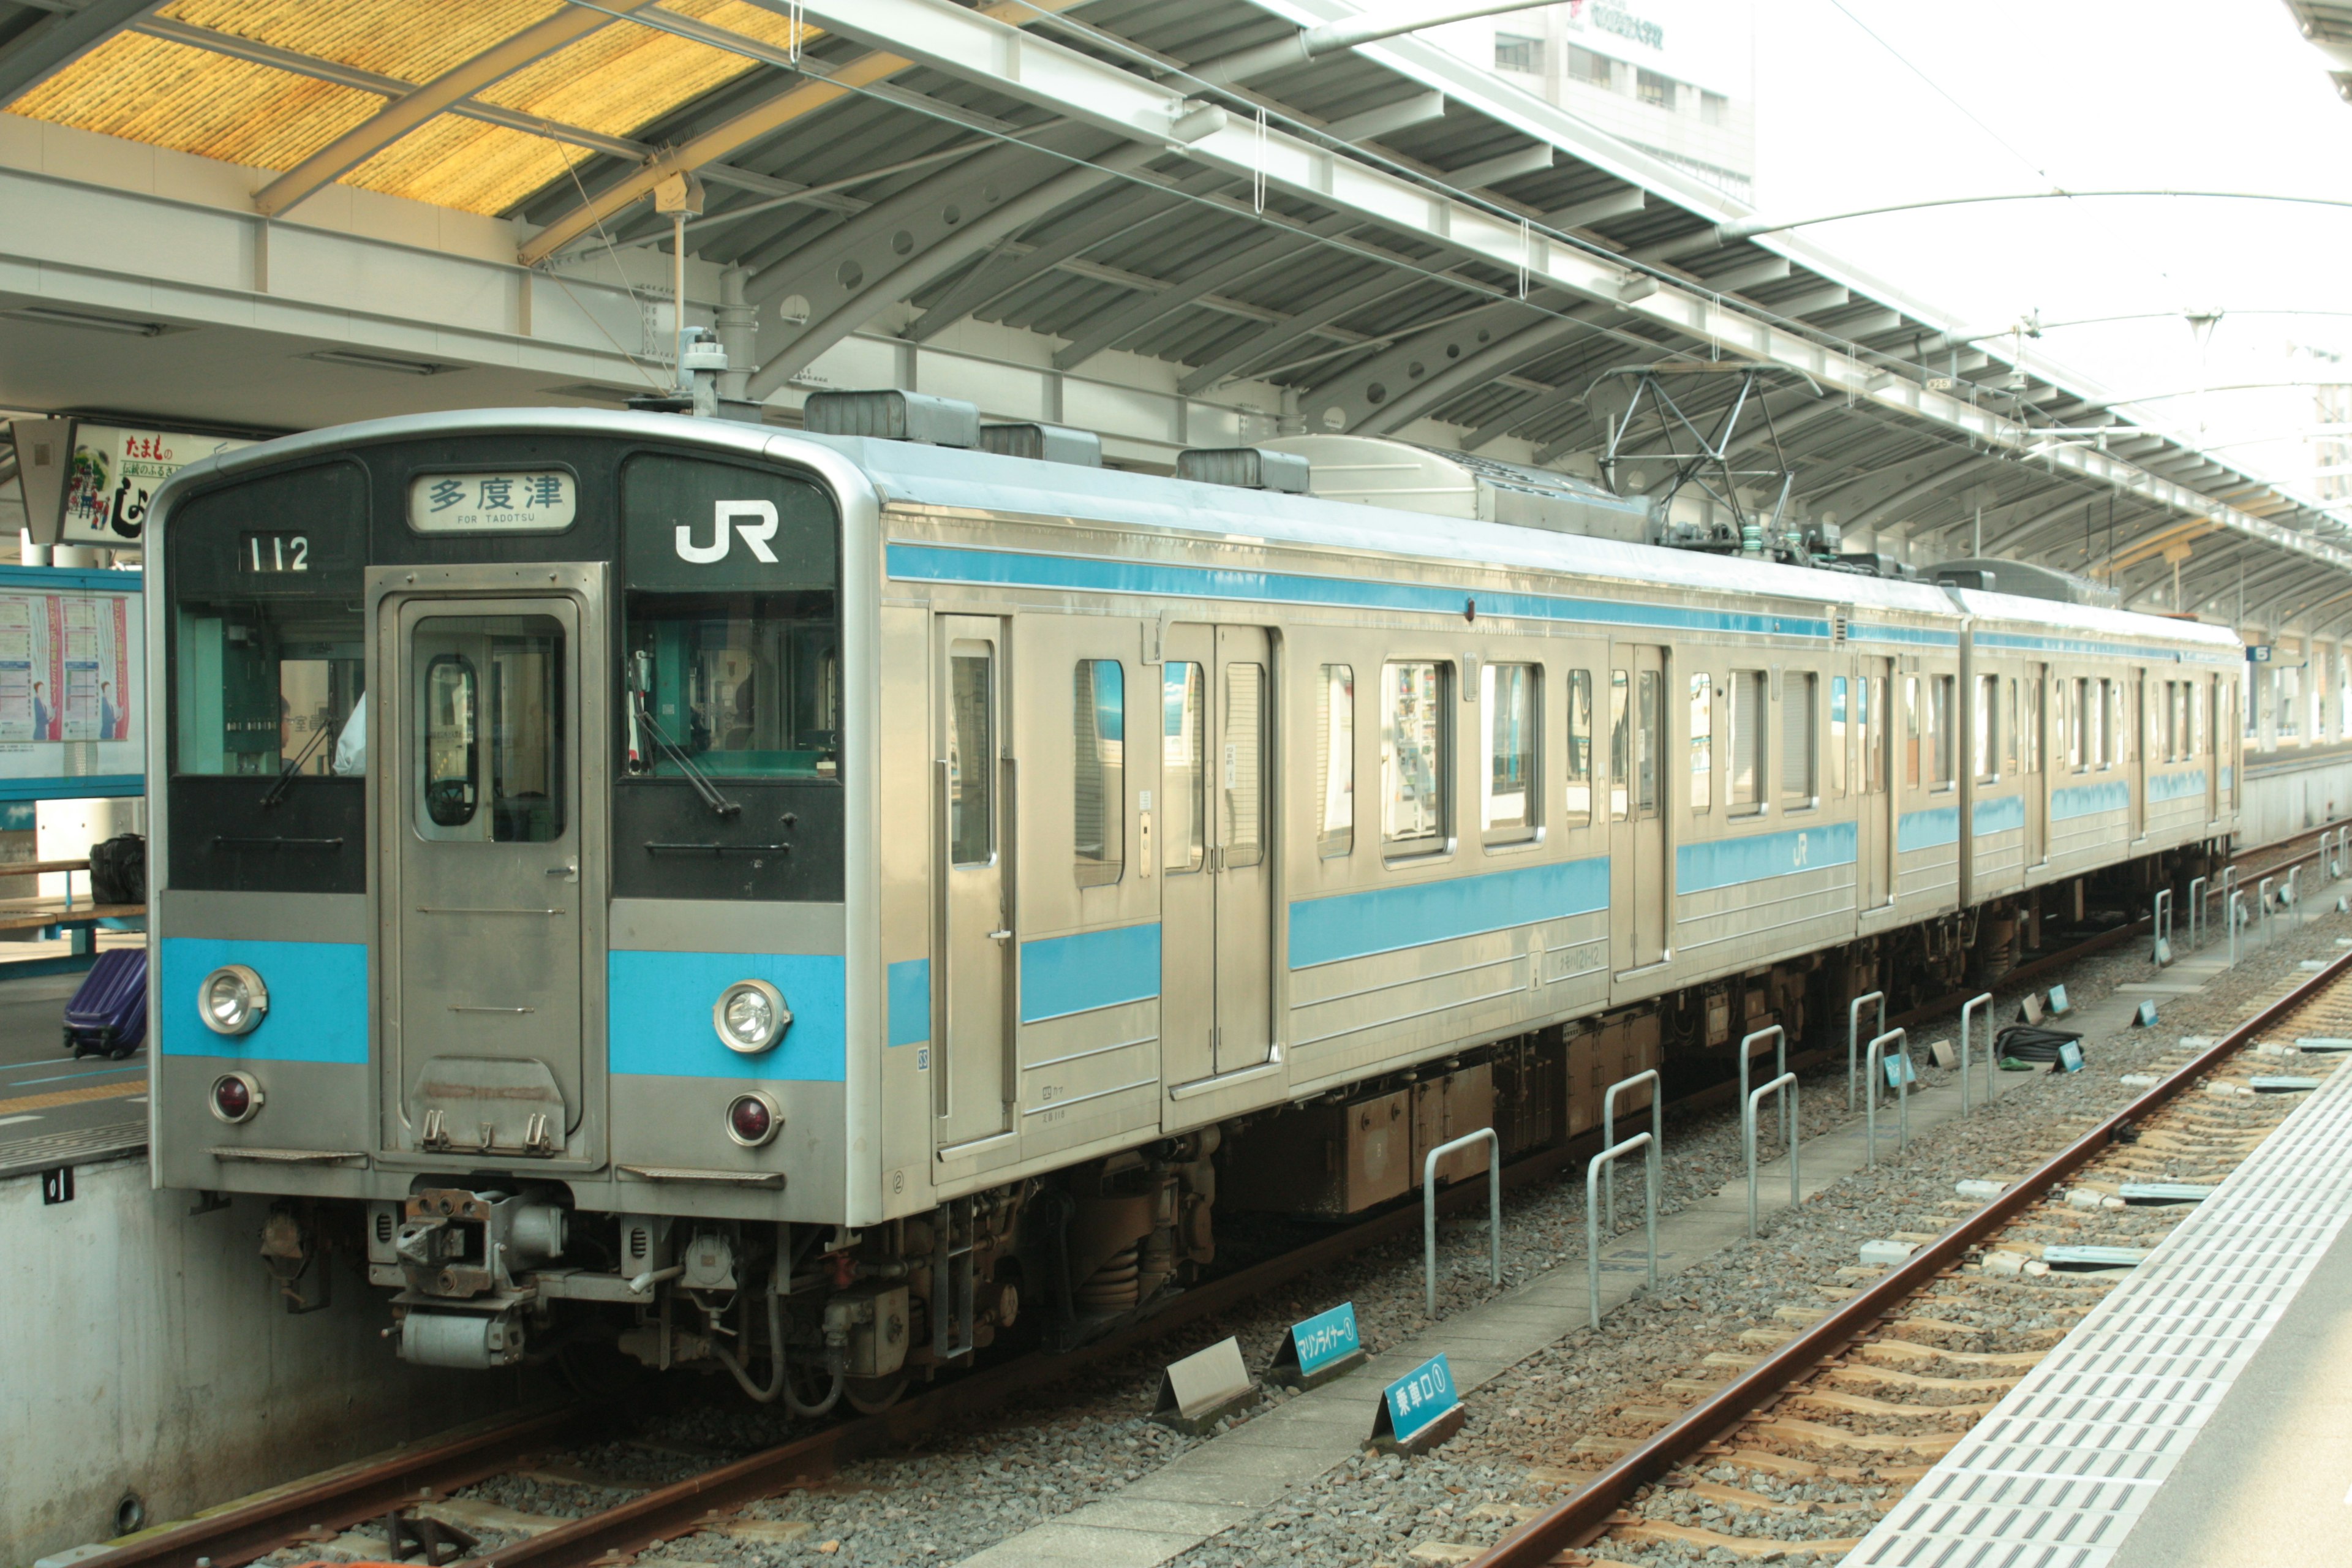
x=72 y=684
x=117 y=471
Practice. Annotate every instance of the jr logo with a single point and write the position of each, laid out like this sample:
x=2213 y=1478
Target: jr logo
x=1801 y=847
x=755 y=534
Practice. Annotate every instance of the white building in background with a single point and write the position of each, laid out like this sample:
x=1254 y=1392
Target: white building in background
x=1675 y=79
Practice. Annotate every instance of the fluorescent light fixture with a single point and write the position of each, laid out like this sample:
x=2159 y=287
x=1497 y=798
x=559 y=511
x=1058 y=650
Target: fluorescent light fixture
x=360 y=359
x=57 y=316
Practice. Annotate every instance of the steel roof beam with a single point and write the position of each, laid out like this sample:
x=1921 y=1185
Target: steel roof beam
x=1617 y=204
x=1013 y=267
x=1496 y=359
x=58 y=40
x=1123 y=321
x=1528 y=160
x=1317 y=317
x=1419 y=109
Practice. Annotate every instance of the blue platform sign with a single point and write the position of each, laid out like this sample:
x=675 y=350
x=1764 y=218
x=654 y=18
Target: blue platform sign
x=1419 y=1398
x=1326 y=1338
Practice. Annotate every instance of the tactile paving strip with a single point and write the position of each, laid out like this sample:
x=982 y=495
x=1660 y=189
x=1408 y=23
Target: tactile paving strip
x=2059 y=1473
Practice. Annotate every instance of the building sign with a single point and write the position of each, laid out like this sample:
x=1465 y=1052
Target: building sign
x=116 y=473
x=1625 y=25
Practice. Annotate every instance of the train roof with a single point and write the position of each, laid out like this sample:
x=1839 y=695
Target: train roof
x=911 y=474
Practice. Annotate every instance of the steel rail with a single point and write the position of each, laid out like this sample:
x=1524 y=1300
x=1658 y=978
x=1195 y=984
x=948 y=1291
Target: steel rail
x=1578 y=1521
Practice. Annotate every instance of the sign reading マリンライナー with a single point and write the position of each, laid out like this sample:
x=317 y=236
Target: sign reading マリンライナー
x=116 y=473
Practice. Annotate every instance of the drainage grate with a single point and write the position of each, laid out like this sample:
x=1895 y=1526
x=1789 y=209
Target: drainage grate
x=2058 y=1473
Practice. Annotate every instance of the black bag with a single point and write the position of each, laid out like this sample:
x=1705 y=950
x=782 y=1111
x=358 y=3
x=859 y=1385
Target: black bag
x=118 y=870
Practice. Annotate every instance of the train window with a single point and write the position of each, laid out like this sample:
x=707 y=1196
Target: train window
x=742 y=685
x=1335 y=760
x=1242 y=822
x=450 y=744
x=1099 y=762
x=1874 y=734
x=971 y=754
x=1512 y=696
x=1579 y=800
x=1984 y=730
x=1649 y=742
x=1702 y=743
x=1799 y=783
x=1837 y=735
x=1184 y=815
x=1943 y=727
x=2009 y=750
x=1413 y=764
x=1621 y=742
x=1911 y=731
x=264 y=688
x=1744 y=786
x=2196 y=719
x=2029 y=724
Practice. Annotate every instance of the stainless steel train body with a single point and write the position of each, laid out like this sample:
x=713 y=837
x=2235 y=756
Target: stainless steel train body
x=892 y=883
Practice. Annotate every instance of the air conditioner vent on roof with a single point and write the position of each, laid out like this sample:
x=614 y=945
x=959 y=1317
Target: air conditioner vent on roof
x=893 y=415
x=1045 y=443
x=1251 y=467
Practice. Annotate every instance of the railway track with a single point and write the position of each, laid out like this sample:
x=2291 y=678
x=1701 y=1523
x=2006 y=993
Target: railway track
x=1807 y=1438
x=626 y=1513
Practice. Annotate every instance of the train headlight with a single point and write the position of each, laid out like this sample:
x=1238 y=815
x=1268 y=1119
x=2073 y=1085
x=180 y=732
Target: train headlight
x=235 y=1097
x=751 y=1017
x=232 y=1000
x=754 y=1119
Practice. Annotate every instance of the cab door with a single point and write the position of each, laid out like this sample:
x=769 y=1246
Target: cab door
x=972 y=1083
x=1216 y=865
x=1637 y=809
x=485 y=914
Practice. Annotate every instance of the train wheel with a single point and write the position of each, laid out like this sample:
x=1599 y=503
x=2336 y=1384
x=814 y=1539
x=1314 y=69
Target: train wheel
x=873 y=1396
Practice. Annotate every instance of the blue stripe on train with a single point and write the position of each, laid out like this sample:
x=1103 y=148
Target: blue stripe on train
x=1357 y=925
x=940 y=564
x=2176 y=786
x=1065 y=974
x=1939 y=825
x=2089 y=799
x=318 y=999
x=2005 y=814
x=1727 y=862
x=660 y=1007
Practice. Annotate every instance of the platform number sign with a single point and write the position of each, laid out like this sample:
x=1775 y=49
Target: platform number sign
x=1418 y=1399
x=57 y=1184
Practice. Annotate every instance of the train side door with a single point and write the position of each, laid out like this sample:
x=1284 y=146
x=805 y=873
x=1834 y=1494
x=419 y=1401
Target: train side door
x=1874 y=824
x=2033 y=761
x=1215 y=864
x=485 y=912
x=1639 y=893
x=971 y=1081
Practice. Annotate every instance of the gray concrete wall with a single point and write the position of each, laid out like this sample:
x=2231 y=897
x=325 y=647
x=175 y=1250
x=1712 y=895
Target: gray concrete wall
x=145 y=1349
x=2285 y=795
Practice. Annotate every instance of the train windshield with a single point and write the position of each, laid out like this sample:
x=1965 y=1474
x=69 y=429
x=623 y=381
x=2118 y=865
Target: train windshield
x=734 y=685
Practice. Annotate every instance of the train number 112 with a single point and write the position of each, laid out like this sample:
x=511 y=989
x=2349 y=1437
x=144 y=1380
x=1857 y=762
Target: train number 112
x=277 y=553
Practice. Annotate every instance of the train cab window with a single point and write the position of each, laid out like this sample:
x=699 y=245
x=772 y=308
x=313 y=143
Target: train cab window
x=1184 y=815
x=1578 y=803
x=1984 y=731
x=492 y=712
x=1800 y=781
x=264 y=686
x=1620 y=741
x=743 y=685
x=1413 y=758
x=1511 y=698
x=1750 y=710
x=1098 y=815
x=1702 y=743
x=1335 y=760
x=1838 y=733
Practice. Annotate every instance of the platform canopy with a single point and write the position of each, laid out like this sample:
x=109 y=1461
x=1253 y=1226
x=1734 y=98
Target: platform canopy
x=1246 y=210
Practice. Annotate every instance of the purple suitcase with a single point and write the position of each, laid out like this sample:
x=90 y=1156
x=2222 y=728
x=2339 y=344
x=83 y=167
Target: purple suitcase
x=108 y=1015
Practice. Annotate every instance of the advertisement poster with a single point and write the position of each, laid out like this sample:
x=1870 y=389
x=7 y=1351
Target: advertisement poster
x=23 y=667
x=116 y=473
x=83 y=646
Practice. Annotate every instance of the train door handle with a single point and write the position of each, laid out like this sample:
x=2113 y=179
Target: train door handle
x=569 y=871
x=1005 y=935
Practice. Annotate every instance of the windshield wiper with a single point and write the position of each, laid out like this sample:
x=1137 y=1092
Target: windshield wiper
x=277 y=791
x=718 y=803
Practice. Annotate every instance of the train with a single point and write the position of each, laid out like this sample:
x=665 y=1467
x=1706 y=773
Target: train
x=678 y=890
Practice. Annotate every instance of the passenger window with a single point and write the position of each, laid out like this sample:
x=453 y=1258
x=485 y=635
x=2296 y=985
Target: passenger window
x=1911 y=731
x=1702 y=743
x=1837 y=735
x=971 y=754
x=1414 y=757
x=2196 y=719
x=1098 y=763
x=1943 y=728
x=1511 y=695
x=1799 y=785
x=1243 y=820
x=1621 y=742
x=1183 y=710
x=451 y=742
x=1985 y=729
x=1751 y=704
x=2029 y=729
x=1335 y=760
x=1579 y=748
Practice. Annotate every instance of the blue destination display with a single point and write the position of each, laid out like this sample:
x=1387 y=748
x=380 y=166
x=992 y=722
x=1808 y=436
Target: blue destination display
x=1419 y=1397
x=1324 y=1338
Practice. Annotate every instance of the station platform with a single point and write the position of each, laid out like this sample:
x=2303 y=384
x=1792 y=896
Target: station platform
x=2199 y=1416
x=55 y=1110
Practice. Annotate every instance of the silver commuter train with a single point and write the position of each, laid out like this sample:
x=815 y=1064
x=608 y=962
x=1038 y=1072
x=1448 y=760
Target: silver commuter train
x=735 y=930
